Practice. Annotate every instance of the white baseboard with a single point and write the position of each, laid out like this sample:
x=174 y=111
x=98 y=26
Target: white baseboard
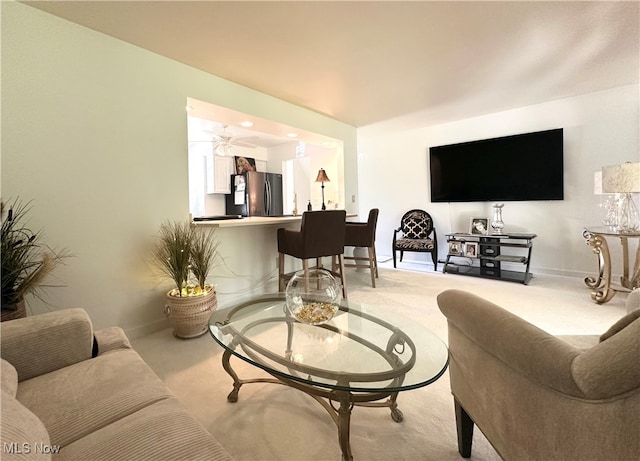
x=147 y=329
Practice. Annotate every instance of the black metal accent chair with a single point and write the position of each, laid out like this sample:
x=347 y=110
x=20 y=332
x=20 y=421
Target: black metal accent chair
x=417 y=234
x=321 y=234
x=363 y=234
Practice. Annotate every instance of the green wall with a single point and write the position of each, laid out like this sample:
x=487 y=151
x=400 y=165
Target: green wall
x=94 y=132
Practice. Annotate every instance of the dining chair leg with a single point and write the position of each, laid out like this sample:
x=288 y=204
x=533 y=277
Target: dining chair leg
x=372 y=267
x=305 y=268
x=375 y=260
x=342 y=276
x=281 y=272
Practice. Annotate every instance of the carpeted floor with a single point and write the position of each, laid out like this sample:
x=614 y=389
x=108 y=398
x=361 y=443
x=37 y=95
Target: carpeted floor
x=272 y=422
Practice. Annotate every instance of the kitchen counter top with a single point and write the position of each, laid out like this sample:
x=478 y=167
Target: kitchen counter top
x=249 y=221
x=254 y=221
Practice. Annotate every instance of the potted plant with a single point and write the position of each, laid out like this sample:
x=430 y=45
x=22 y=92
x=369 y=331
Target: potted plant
x=186 y=255
x=26 y=261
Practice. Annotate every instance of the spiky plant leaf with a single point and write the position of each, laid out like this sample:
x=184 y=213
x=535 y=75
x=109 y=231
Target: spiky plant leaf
x=203 y=254
x=26 y=262
x=172 y=251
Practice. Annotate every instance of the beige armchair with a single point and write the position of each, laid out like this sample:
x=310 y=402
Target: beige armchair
x=536 y=397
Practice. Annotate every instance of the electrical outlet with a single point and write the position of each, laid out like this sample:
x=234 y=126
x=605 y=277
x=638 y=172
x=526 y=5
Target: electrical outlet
x=353 y=199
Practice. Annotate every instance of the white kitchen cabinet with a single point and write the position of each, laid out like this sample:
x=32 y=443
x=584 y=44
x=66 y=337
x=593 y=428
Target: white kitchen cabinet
x=261 y=165
x=219 y=176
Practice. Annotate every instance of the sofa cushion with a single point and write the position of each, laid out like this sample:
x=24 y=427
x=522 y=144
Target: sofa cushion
x=582 y=342
x=9 y=378
x=111 y=339
x=621 y=324
x=23 y=435
x=159 y=432
x=617 y=357
x=38 y=344
x=87 y=396
x=633 y=300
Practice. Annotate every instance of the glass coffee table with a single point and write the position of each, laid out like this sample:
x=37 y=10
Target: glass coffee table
x=364 y=356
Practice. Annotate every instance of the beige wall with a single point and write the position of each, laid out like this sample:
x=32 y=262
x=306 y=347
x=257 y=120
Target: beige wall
x=599 y=129
x=94 y=130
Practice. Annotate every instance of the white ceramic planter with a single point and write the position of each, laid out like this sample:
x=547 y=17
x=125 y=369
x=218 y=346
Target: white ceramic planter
x=190 y=315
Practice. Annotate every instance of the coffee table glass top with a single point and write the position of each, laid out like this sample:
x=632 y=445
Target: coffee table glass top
x=364 y=348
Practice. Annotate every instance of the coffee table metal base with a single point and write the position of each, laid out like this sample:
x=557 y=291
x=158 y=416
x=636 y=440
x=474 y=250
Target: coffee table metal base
x=328 y=398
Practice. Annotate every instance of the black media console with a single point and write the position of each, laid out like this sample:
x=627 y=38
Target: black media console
x=503 y=257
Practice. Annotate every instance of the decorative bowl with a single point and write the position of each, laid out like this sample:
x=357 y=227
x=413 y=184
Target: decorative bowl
x=312 y=297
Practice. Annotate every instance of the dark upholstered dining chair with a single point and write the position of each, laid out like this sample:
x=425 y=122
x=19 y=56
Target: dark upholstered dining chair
x=321 y=234
x=363 y=234
x=417 y=234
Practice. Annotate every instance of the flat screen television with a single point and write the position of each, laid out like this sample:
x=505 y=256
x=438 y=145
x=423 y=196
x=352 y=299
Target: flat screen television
x=511 y=168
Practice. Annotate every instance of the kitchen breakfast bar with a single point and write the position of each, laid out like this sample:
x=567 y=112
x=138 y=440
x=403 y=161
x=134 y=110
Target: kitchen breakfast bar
x=248 y=254
x=239 y=221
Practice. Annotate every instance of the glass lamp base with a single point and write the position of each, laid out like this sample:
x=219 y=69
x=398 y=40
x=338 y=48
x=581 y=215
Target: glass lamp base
x=627 y=214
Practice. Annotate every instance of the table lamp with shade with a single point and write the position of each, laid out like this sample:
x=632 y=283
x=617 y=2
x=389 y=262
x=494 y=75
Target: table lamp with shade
x=322 y=178
x=610 y=202
x=624 y=180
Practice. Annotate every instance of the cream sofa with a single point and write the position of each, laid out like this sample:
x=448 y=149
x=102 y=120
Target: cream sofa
x=69 y=393
x=537 y=397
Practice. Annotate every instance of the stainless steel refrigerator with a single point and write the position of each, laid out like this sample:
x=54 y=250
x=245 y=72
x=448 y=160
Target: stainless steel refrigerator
x=255 y=194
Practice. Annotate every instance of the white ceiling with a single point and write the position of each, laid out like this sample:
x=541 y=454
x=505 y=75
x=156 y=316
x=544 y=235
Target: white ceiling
x=205 y=118
x=365 y=62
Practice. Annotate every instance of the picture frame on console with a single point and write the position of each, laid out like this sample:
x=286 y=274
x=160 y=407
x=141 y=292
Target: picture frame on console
x=471 y=249
x=455 y=248
x=479 y=226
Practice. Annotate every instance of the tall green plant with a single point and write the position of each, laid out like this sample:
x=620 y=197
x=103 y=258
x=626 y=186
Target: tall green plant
x=26 y=261
x=181 y=251
x=173 y=251
x=204 y=252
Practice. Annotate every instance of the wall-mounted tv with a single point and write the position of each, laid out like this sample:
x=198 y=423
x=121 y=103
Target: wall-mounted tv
x=511 y=168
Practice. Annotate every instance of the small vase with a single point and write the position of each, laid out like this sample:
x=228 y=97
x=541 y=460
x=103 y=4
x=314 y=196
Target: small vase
x=496 y=224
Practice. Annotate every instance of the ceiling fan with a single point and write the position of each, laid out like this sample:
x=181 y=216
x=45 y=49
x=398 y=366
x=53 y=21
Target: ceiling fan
x=223 y=142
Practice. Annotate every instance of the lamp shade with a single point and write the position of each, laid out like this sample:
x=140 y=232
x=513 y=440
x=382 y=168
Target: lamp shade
x=597 y=183
x=621 y=178
x=322 y=176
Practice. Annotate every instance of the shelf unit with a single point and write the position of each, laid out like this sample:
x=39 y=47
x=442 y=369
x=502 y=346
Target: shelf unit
x=490 y=259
